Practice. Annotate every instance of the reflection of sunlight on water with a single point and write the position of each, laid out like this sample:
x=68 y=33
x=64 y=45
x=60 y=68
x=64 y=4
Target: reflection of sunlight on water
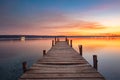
x=97 y=42
x=13 y=53
x=108 y=51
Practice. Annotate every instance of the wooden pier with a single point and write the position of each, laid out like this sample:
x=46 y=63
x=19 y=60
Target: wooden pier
x=62 y=62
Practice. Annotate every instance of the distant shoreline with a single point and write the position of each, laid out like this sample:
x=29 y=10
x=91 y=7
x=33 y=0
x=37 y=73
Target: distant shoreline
x=18 y=37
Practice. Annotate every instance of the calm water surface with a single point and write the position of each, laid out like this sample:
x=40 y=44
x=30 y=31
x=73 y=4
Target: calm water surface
x=13 y=53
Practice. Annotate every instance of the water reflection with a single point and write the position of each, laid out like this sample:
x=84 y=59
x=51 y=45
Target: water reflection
x=13 y=53
x=108 y=51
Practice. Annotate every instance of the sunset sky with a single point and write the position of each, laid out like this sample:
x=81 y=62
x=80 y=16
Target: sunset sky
x=60 y=17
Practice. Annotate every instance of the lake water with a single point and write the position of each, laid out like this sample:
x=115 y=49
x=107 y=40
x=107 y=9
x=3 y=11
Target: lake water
x=13 y=53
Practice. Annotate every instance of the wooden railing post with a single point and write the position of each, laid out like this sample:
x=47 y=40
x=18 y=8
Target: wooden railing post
x=70 y=43
x=95 y=62
x=66 y=39
x=24 y=66
x=52 y=42
x=80 y=49
x=55 y=40
x=44 y=52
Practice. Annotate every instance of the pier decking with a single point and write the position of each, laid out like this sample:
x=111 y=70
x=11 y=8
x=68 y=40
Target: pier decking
x=62 y=62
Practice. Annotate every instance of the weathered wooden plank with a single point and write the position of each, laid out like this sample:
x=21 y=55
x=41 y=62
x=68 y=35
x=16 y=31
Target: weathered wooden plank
x=69 y=79
x=77 y=65
x=55 y=76
x=63 y=57
x=66 y=70
x=62 y=60
x=62 y=63
x=63 y=69
x=74 y=58
x=59 y=72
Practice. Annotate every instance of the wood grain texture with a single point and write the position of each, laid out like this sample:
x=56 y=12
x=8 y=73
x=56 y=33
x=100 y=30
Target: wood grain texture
x=62 y=62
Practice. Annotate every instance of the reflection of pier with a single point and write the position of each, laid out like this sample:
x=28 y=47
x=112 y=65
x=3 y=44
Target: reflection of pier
x=62 y=62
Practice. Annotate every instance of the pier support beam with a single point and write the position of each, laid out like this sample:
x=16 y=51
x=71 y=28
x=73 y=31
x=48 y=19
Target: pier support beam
x=44 y=52
x=55 y=40
x=52 y=43
x=70 y=43
x=24 y=66
x=95 y=62
x=66 y=39
x=80 y=49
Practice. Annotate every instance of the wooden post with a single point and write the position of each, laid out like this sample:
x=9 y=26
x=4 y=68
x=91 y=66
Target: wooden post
x=66 y=39
x=52 y=42
x=95 y=61
x=80 y=49
x=24 y=66
x=44 y=52
x=70 y=43
x=55 y=40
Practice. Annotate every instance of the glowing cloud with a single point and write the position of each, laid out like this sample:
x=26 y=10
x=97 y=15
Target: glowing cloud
x=49 y=17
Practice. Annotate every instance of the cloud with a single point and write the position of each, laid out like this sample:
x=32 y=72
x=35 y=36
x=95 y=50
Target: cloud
x=81 y=24
x=45 y=22
x=56 y=20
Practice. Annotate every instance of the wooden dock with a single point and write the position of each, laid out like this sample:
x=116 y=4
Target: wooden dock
x=62 y=62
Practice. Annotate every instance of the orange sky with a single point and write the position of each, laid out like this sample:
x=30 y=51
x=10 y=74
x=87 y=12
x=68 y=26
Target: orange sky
x=56 y=17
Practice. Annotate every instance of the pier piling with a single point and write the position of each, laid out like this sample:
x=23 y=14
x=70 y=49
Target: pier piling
x=95 y=62
x=24 y=66
x=70 y=43
x=52 y=42
x=44 y=52
x=66 y=39
x=55 y=40
x=80 y=49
